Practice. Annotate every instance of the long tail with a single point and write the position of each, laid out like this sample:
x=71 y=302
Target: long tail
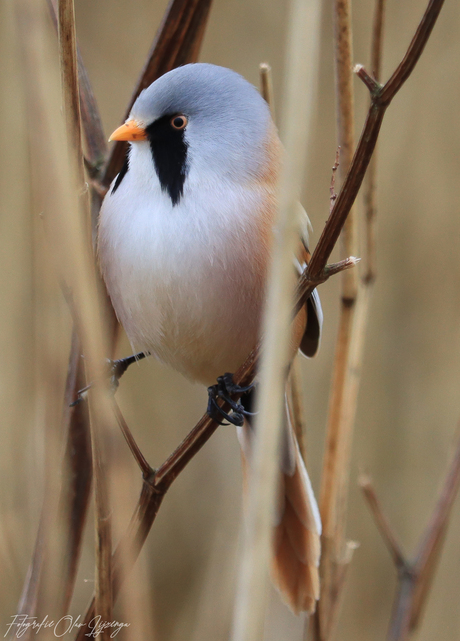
x=297 y=533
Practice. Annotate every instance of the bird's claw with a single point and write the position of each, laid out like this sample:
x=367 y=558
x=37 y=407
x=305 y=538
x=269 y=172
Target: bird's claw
x=115 y=370
x=224 y=388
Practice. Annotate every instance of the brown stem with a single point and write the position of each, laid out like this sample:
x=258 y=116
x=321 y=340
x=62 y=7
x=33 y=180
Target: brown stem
x=343 y=45
x=430 y=546
x=145 y=468
x=347 y=364
x=76 y=494
x=382 y=522
x=341 y=266
x=78 y=461
x=74 y=498
x=415 y=576
x=400 y=616
x=70 y=86
x=370 y=190
x=332 y=192
x=90 y=117
x=373 y=86
x=71 y=94
x=151 y=497
x=367 y=142
x=333 y=496
x=346 y=196
x=413 y=53
x=377 y=39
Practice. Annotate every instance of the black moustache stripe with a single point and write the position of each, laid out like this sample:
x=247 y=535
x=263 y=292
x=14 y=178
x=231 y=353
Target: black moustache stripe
x=169 y=153
x=123 y=171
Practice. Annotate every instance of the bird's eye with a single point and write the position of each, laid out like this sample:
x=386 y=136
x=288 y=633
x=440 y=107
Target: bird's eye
x=179 y=122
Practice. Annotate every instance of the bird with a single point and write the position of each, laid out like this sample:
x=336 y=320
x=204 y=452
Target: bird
x=184 y=241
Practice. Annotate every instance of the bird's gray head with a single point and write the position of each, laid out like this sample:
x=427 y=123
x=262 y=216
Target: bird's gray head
x=202 y=120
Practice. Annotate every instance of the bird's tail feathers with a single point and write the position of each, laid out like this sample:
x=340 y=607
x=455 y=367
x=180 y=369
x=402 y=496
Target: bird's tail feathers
x=296 y=554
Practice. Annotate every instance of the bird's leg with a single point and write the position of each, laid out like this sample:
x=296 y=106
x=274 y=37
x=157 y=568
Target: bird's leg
x=225 y=388
x=116 y=369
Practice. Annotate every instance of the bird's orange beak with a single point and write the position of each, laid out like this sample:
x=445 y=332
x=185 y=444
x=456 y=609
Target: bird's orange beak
x=131 y=130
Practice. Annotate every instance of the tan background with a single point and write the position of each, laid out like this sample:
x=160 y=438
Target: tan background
x=409 y=401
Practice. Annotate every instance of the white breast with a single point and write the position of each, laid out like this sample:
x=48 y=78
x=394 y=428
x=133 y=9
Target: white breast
x=186 y=281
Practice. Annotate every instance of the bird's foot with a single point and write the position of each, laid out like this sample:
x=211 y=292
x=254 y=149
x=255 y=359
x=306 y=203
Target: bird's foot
x=115 y=370
x=225 y=388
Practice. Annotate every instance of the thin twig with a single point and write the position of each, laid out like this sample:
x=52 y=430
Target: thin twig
x=367 y=142
x=341 y=266
x=373 y=86
x=381 y=521
x=144 y=466
x=370 y=190
x=332 y=192
x=377 y=38
x=429 y=549
x=266 y=86
x=415 y=575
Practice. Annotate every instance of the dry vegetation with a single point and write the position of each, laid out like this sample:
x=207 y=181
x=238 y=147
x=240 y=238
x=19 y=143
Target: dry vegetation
x=186 y=582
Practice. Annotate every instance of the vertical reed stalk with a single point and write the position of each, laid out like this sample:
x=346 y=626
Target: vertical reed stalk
x=356 y=297
x=301 y=66
x=94 y=345
x=334 y=486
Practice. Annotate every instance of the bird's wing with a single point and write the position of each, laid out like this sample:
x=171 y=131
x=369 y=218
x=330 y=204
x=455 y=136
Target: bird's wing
x=311 y=339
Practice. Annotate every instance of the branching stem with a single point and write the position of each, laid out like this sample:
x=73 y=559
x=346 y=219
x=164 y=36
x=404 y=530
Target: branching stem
x=415 y=575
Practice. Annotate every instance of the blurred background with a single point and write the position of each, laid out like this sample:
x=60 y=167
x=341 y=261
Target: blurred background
x=409 y=401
